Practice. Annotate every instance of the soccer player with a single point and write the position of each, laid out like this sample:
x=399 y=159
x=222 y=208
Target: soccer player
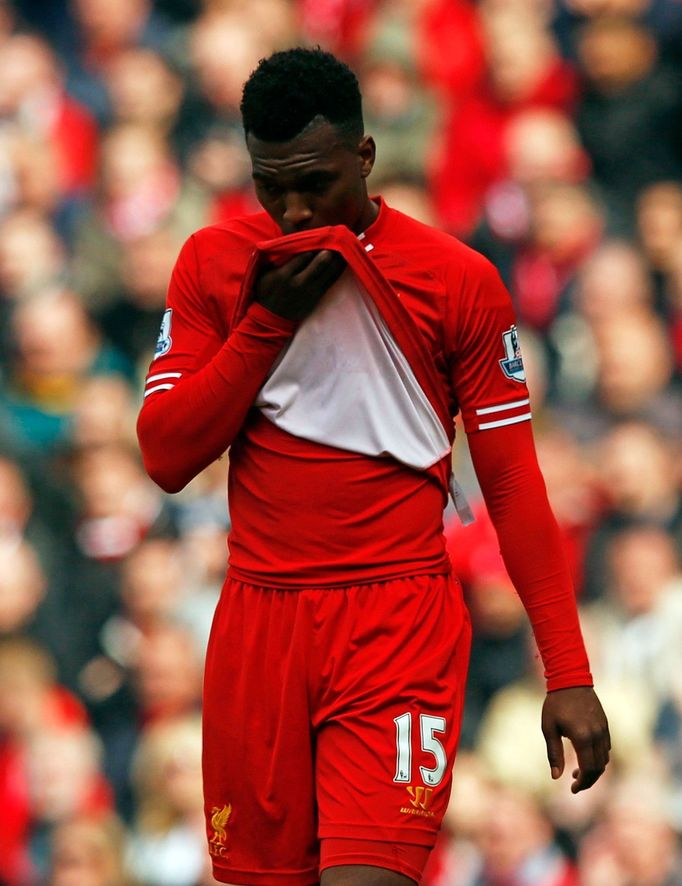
x=328 y=342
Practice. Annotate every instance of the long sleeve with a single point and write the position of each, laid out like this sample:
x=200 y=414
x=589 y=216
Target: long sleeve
x=202 y=384
x=489 y=382
x=514 y=492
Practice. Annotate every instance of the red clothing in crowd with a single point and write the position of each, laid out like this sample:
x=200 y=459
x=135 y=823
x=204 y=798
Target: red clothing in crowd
x=74 y=135
x=471 y=157
x=61 y=710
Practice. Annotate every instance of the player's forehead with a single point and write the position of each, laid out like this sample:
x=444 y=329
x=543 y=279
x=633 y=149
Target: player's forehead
x=319 y=146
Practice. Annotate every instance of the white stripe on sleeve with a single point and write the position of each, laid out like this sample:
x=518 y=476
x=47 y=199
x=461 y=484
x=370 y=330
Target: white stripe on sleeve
x=488 y=409
x=500 y=423
x=158 y=388
x=163 y=375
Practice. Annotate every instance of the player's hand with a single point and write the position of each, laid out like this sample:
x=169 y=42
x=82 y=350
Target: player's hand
x=293 y=289
x=577 y=714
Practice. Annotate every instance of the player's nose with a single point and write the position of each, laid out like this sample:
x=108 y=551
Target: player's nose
x=297 y=213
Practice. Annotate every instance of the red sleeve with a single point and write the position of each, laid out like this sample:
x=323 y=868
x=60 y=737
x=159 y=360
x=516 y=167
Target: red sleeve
x=514 y=492
x=489 y=381
x=487 y=372
x=200 y=386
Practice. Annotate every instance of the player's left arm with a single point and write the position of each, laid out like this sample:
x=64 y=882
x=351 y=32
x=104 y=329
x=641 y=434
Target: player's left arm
x=489 y=383
x=530 y=542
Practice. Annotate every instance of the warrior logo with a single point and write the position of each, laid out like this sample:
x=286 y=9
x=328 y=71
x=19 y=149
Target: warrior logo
x=512 y=365
x=421 y=797
x=420 y=802
x=164 y=341
x=219 y=819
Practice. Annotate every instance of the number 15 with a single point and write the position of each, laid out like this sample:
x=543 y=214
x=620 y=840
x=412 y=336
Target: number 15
x=428 y=726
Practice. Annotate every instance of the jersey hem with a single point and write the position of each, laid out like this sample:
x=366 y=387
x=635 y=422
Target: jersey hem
x=412 y=836
x=266 y=581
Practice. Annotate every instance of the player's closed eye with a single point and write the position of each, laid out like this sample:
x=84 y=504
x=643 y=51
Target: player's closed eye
x=319 y=186
x=269 y=188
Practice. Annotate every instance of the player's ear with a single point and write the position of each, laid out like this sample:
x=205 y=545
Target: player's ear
x=367 y=152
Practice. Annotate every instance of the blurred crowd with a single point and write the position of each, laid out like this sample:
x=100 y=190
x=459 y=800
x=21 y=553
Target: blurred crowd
x=546 y=134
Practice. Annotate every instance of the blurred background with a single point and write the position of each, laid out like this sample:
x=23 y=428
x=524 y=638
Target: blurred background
x=546 y=134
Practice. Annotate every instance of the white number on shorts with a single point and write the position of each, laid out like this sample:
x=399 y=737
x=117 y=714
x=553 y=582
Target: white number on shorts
x=403 y=741
x=427 y=726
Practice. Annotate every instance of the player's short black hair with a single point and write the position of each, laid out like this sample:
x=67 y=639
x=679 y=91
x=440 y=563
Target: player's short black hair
x=290 y=88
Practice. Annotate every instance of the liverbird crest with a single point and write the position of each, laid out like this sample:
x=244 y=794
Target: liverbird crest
x=219 y=820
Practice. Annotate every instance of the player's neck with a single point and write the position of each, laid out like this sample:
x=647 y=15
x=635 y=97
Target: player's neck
x=368 y=217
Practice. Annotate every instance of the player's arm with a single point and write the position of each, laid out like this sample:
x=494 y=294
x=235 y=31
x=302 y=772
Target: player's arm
x=490 y=386
x=201 y=385
x=530 y=543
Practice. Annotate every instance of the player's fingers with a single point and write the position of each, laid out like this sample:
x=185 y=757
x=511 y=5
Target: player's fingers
x=298 y=263
x=592 y=760
x=602 y=746
x=320 y=275
x=326 y=264
x=331 y=270
x=604 y=751
x=277 y=275
x=555 y=751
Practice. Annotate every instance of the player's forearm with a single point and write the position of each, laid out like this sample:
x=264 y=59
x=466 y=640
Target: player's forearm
x=182 y=430
x=531 y=546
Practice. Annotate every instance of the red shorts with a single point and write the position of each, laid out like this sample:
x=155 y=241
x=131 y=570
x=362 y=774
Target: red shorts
x=331 y=720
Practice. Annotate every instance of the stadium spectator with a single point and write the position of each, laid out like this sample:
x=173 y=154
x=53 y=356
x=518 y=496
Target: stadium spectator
x=646 y=390
x=639 y=486
x=659 y=223
x=141 y=189
x=220 y=74
x=32 y=255
x=64 y=779
x=144 y=89
x=628 y=114
x=32 y=704
x=151 y=594
x=88 y=852
x=636 y=842
x=117 y=505
x=103 y=413
x=22 y=587
x=23 y=518
x=167 y=845
x=95 y=35
x=613 y=281
x=636 y=628
x=524 y=70
x=541 y=146
x=32 y=92
x=57 y=347
x=516 y=843
x=397 y=108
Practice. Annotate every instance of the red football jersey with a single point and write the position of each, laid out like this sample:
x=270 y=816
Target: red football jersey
x=308 y=514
